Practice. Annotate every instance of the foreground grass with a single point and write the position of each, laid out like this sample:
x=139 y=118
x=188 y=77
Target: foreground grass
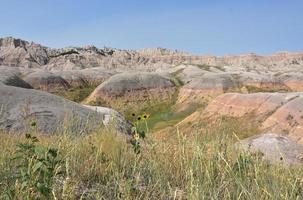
x=102 y=165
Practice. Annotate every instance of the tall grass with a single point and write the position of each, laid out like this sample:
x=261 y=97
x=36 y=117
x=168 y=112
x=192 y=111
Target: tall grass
x=102 y=165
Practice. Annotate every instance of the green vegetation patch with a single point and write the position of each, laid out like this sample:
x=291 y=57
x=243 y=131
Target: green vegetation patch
x=77 y=93
x=207 y=67
x=165 y=117
x=254 y=89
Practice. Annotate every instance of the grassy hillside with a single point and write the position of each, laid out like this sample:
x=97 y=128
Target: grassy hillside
x=103 y=165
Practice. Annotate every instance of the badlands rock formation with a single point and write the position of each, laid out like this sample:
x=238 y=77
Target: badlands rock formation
x=20 y=53
x=133 y=88
x=280 y=113
x=207 y=86
x=237 y=105
x=20 y=107
x=47 y=81
x=268 y=87
x=12 y=77
x=275 y=148
x=112 y=118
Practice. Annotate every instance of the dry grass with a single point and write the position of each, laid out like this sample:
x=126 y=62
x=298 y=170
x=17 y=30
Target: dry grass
x=102 y=165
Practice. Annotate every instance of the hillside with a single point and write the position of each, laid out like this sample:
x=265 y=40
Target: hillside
x=136 y=124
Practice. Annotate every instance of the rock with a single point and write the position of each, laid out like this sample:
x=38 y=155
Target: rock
x=74 y=78
x=189 y=73
x=20 y=53
x=90 y=76
x=46 y=81
x=12 y=77
x=133 y=87
x=275 y=148
x=51 y=113
x=257 y=82
x=97 y=75
x=206 y=87
x=294 y=81
x=112 y=117
x=281 y=113
x=287 y=119
x=237 y=105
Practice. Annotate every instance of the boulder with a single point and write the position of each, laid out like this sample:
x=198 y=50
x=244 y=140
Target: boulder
x=112 y=117
x=275 y=148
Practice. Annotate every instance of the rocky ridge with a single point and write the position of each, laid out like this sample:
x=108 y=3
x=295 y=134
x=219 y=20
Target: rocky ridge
x=20 y=53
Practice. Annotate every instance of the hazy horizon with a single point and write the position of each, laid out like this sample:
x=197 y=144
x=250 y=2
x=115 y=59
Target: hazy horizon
x=197 y=27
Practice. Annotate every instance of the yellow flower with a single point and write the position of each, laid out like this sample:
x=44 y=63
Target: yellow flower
x=145 y=116
x=139 y=118
x=136 y=136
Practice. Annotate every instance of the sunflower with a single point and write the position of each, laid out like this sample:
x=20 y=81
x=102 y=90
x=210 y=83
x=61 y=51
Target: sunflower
x=136 y=136
x=145 y=116
x=139 y=118
x=133 y=114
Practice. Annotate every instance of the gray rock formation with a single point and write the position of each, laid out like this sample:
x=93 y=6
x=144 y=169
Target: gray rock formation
x=275 y=148
x=112 y=118
x=20 y=107
x=12 y=77
x=125 y=84
x=47 y=81
x=20 y=53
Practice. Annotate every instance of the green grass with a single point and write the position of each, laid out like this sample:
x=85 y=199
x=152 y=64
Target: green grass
x=76 y=93
x=208 y=67
x=102 y=165
x=253 y=89
x=166 y=117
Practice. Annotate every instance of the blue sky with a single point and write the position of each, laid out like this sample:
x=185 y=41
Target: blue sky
x=198 y=26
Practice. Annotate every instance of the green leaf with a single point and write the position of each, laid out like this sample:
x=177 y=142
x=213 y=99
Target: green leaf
x=43 y=189
x=24 y=185
x=37 y=166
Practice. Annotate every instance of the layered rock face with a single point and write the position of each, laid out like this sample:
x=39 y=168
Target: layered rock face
x=280 y=113
x=44 y=80
x=129 y=77
x=269 y=88
x=20 y=53
x=206 y=87
x=133 y=89
x=288 y=119
x=237 y=105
